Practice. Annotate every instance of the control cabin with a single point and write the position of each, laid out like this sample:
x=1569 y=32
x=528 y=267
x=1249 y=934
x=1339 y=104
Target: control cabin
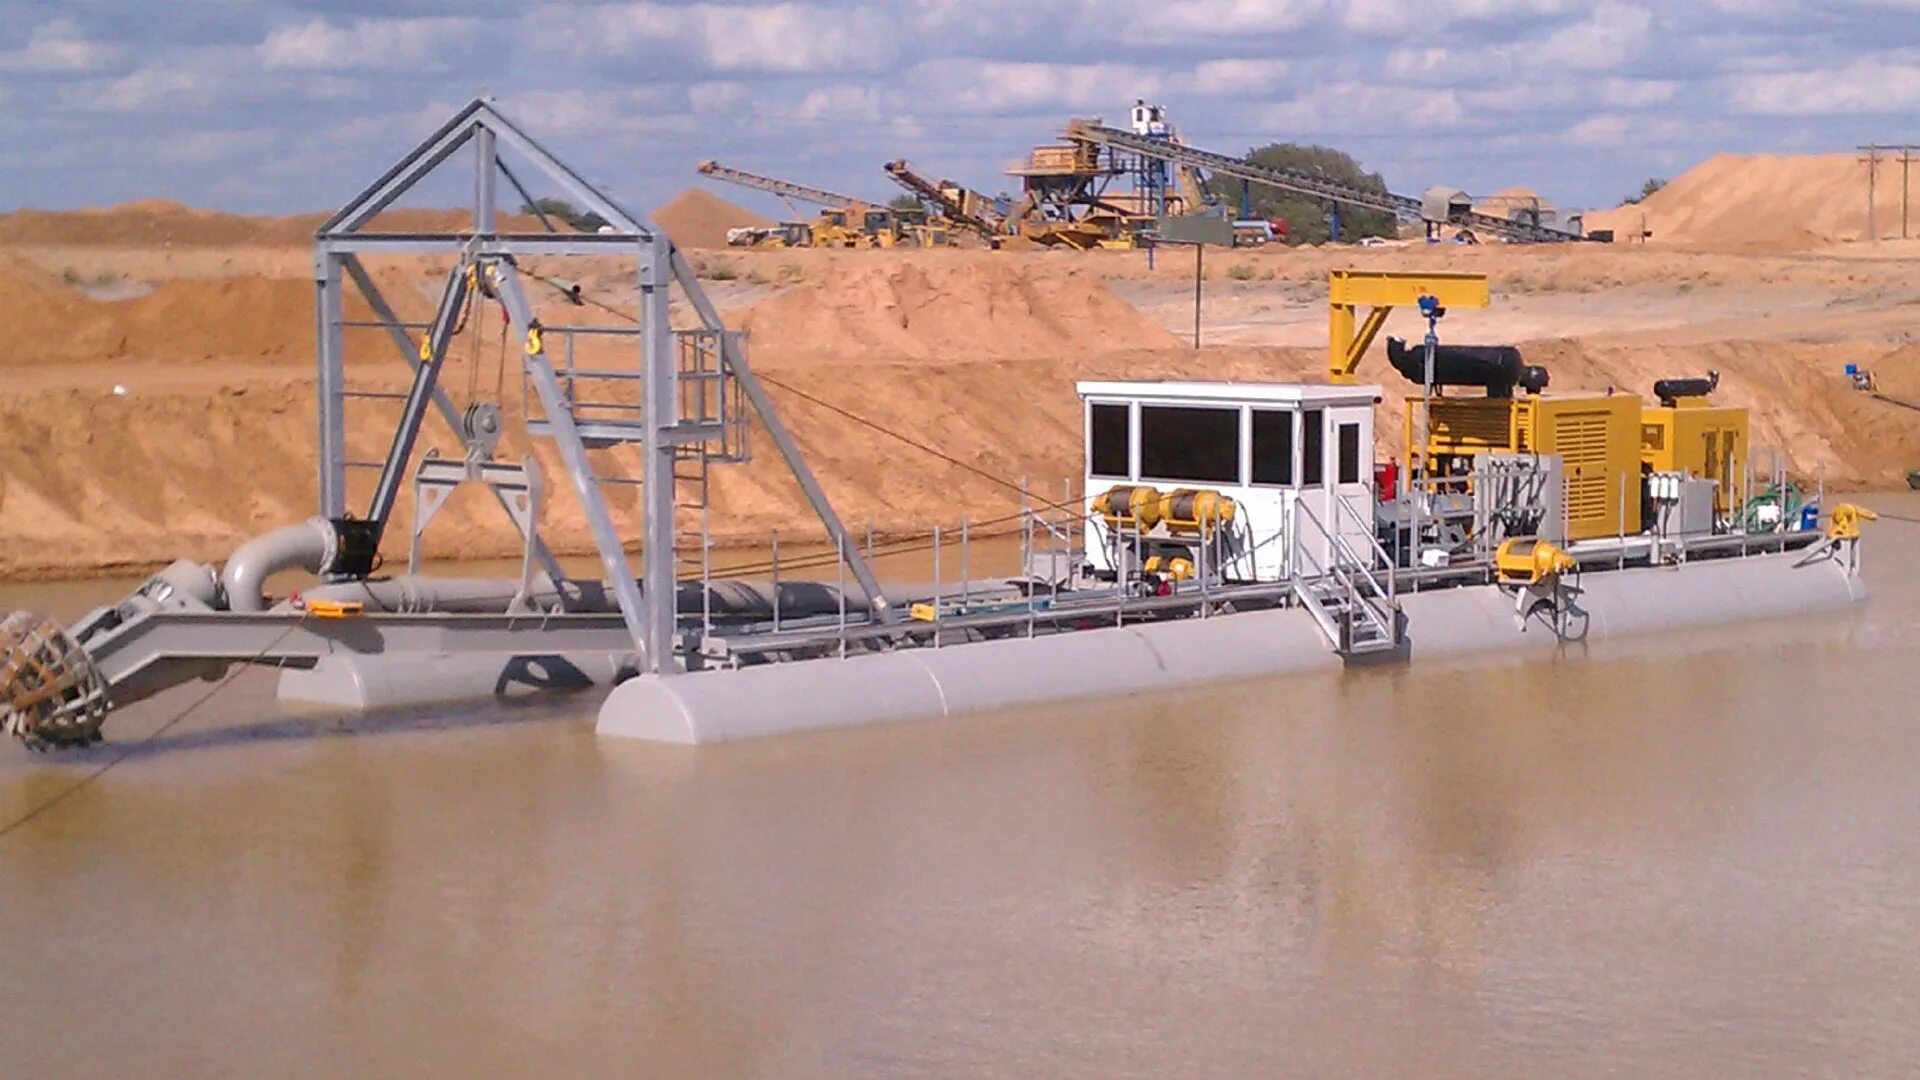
x=1266 y=446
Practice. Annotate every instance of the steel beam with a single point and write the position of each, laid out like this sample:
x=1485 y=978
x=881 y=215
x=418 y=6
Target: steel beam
x=502 y=244
x=330 y=385
x=426 y=378
x=659 y=411
x=485 y=161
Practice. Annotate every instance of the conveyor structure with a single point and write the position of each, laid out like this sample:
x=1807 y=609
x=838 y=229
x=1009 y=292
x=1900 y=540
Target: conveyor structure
x=968 y=209
x=786 y=190
x=1301 y=183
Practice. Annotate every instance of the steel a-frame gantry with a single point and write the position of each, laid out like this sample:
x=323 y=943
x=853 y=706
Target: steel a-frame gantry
x=660 y=420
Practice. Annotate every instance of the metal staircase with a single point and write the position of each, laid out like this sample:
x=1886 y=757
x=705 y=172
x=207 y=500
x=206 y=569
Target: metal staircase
x=1303 y=183
x=1344 y=593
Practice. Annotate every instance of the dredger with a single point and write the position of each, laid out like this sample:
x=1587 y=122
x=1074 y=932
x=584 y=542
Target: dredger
x=1219 y=530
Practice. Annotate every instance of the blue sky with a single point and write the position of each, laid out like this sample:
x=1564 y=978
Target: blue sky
x=289 y=105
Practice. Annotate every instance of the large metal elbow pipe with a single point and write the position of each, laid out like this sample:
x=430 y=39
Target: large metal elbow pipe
x=310 y=545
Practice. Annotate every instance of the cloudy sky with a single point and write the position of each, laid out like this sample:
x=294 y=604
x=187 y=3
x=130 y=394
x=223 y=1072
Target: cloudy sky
x=289 y=105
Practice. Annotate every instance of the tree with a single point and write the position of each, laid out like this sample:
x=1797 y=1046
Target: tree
x=1306 y=216
x=904 y=201
x=1646 y=189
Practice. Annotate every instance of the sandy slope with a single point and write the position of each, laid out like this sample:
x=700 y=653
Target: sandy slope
x=972 y=352
x=1765 y=201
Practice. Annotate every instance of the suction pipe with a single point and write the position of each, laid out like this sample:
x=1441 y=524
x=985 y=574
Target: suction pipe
x=309 y=545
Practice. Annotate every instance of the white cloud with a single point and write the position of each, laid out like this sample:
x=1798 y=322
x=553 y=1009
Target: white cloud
x=1172 y=19
x=1602 y=129
x=319 y=45
x=637 y=111
x=1421 y=63
x=713 y=97
x=1607 y=39
x=57 y=47
x=147 y=88
x=997 y=87
x=1331 y=107
x=1869 y=85
x=1637 y=93
x=1420 y=17
x=1238 y=76
x=782 y=37
x=844 y=103
x=202 y=147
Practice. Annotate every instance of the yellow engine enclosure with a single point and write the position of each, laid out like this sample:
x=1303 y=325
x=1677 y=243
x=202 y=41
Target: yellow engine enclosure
x=1598 y=438
x=1701 y=440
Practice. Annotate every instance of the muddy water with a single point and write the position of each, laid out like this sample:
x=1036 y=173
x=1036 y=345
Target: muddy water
x=1670 y=857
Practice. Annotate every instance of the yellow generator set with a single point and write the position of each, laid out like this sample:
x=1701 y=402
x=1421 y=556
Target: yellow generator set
x=1597 y=436
x=1685 y=434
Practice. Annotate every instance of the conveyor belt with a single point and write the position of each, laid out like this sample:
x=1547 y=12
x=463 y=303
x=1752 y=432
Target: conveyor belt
x=782 y=188
x=1304 y=183
x=953 y=209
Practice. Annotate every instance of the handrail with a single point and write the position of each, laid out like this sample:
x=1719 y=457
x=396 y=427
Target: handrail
x=1343 y=573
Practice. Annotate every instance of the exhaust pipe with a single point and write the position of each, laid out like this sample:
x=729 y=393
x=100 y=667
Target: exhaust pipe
x=310 y=545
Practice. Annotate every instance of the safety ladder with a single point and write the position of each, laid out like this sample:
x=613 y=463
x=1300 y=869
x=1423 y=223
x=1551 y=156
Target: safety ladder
x=1344 y=593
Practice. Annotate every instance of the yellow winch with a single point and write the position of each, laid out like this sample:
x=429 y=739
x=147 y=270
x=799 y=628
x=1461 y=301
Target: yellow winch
x=1529 y=560
x=1135 y=506
x=1196 y=510
x=1846 y=521
x=1188 y=511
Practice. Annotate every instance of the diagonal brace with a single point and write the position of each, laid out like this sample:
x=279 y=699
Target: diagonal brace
x=426 y=379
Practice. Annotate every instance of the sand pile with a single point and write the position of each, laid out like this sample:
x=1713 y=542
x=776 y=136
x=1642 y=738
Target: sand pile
x=973 y=310
x=1737 y=200
x=697 y=218
x=149 y=223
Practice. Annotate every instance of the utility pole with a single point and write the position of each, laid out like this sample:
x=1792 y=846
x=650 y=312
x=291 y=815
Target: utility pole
x=1872 y=159
x=1906 y=159
x=1870 y=155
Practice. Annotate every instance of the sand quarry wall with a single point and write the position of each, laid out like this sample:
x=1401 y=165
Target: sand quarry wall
x=213 y=442
x=1765 y=201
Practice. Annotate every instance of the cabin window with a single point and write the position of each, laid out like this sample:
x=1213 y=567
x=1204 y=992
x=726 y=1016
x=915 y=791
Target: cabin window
x=1313 y=454
x=1349 y=453
x=1111 y=430
x=1272 y=447
x=1190 y=445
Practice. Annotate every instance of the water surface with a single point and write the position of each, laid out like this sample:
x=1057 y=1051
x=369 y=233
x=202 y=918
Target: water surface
x=1668 y=857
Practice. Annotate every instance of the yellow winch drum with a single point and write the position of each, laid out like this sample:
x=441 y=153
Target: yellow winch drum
x=1529 y=560
x=1196 y=510
x=1131 y=505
